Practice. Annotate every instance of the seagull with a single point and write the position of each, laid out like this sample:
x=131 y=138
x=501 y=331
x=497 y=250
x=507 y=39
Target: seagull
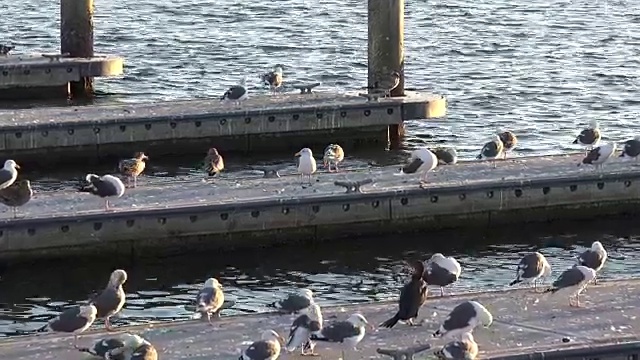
x=134 y=348
x=349 y=332
x=464 y=349
x=333 y=154
x=75 y=319
x=273 y=78
x=387 y=83
x=105 y=187
x=295 y=302
x=509 y=141
x=18 y=194
x=266 y=349
x=303 y=326
x=237 y=93
x=573 y=280
x=593 y=258
x=5 y=49
x=133 y=167
x=210 y=298
x=213 y=162
x=103 y=346
x=441 y=271
x=412 y=296
x=590 y=136
x=446 y=156
x=306 y=163
x=422 y=161
x=492 y=150
x=111 y=300
x=599 y=155
x=532 y=267
x=8 y=174
x=631 y=148
x=463 y=319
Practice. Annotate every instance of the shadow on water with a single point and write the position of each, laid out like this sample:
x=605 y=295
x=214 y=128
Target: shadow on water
x=349 y=271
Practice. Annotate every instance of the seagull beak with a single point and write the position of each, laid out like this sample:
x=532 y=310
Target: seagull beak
x=297 y=154
x=17 y=166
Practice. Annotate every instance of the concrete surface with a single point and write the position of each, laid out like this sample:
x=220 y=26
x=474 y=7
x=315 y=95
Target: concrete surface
x=524 y=322
x=243 y=208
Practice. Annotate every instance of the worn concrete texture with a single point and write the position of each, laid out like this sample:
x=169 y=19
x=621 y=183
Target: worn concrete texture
x=524 y=322
x=249 y=185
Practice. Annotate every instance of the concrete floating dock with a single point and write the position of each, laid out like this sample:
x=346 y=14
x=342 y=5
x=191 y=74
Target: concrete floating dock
x=46 y=75
x=526 y=326
x=173 y=215
x=287 y=121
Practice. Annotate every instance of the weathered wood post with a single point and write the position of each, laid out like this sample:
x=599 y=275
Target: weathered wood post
x=386 y=50
x=76 y=38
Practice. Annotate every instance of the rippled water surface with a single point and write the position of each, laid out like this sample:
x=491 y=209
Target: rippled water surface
x=541 y=69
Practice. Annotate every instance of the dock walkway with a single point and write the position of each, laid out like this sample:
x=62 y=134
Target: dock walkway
x=524 y=323
x=238 y=210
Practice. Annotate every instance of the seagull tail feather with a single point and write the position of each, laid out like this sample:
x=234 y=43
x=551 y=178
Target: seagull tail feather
x=575 y=141
x=479 y=157
x=44 y=328
x=518 y=280
x=315 y=337
x=438 y=333
x=439 y=354
x=391 y=322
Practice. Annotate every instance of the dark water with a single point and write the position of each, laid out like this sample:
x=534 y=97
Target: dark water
x=355 y=271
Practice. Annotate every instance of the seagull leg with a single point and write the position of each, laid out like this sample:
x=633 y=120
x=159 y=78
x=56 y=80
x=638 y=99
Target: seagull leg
x=336 y=164
x=209 y=318
x=106 y=204
x=441 y=290
x=107 y=324
x=135 y=181
x=75 y=341
x=15 y=215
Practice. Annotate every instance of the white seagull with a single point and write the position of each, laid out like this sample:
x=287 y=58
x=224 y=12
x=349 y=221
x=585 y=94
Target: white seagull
x=105 y=186
x=422 y=161
x=599 y=155
x=463 y=319
x=349 y=333
x=8 y=174
x=306 y=163
x=237 y=93
x=441 y=271
x=310 y=322
x=573 y=280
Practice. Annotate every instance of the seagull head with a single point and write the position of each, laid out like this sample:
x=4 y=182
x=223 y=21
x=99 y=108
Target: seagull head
x=358 y=320
x=10 y=165
x=305 y=152
x=243 y=81
x=118 y=277
x=307 y=293
x=597 y=247
x=132 y=341
x=278 y=69
x=213 y=151
x=594 y=124
x=271 y=335
x=212 y=283
x=91 y=177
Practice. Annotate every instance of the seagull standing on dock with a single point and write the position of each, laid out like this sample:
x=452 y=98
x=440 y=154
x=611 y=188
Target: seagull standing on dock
x=599 y=155
x=306 y=164
x=213 y=162
x=631 y=148
x=463 y=319
x=210 y=299
x=412 y=296
x=134 y=348
x=509 y=141
x=422 y=161
x=310 y=322
x=295 y=302
x=464 y=349
x=74 y=320
x=573 y=280
x=5 y=49
x=105 y=187
x=492 y=150
x=237 y=93
x=273 y=78
x=18 y=194
x=111 y=300
x=441 y=271
x=133 y=167
x=349 y=333
x=446 y=156
x=8 y=174
x=593 y=258
x=387 y=83
x=590 y=136
x=266 y=349
x=333 y=154
x=532 y=267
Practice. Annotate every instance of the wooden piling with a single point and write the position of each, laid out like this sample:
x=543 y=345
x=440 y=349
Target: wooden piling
x=76 y=38
x=386 y=51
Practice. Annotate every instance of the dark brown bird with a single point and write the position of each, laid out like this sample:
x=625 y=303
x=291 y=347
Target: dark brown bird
x=213 y=162
x=412 y=297
x=509 y=142
x=273 y=78
x=18 y=194
x=133 y=167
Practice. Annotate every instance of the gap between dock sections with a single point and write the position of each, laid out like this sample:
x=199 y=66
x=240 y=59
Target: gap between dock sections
x=611 y=316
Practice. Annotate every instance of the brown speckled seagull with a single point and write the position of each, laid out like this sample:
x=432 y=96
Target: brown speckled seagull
x=133 y=167
x=18 y=194
x=333 y=154
x=134 y=348
x=213 y=162
x=111 y=300
x=509 y=141
x=273 y=78
x=464 y=349
x=210 y=299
